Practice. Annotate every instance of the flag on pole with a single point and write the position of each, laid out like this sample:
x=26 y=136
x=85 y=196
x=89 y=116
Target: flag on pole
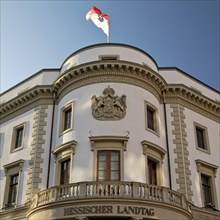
x=100 y=20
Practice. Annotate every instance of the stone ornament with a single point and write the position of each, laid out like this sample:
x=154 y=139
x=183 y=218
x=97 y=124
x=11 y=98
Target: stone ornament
x=109 y=106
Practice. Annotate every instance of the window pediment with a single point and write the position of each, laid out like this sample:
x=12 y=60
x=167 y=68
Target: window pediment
x=17 y=165
x=66 y=148
x=153 y=149
x=98 y=141
x=203 y=166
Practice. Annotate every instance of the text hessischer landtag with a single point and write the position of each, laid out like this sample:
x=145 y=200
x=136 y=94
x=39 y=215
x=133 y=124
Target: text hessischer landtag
x=108 y=209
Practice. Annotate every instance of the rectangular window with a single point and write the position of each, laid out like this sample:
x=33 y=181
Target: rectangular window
x=19 y=137
x=151 y=117
x=65 y=172
x=13 y=189
x=67 y=119
x=108 y=165
x=13 y=177
x=200 y=138
x=109 y=57
x=206 y=189
x=152 y=172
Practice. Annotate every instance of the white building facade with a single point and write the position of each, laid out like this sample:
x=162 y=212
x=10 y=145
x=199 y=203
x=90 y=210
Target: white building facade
x=110 y=135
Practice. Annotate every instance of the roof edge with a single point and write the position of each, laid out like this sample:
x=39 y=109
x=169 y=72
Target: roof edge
x=109 y=45
x=25 y=80
x=188 y=75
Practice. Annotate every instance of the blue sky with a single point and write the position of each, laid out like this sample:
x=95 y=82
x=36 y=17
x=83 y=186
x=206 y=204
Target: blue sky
x=41 y=34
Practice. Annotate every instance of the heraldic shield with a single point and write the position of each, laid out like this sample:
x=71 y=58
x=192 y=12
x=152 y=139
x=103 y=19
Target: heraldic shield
x=109 y=106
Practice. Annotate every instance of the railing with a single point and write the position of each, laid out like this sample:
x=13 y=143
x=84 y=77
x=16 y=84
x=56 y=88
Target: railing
x=123 y=190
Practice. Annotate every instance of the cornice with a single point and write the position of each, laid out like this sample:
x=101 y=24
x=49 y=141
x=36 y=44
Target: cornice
x=181 y=94
x=116 y=72
x=110 y=71
x=26 y=101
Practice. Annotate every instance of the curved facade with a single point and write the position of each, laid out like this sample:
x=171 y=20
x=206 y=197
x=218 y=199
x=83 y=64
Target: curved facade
x=110 y=135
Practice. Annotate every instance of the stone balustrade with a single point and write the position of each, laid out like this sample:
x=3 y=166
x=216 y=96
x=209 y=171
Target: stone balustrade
x=110 y=190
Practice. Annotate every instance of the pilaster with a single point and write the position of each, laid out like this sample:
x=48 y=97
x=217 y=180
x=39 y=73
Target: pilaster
x=37 y=151
x=181 y=151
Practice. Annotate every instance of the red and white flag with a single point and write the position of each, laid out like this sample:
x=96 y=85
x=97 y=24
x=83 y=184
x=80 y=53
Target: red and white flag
x=100 y=20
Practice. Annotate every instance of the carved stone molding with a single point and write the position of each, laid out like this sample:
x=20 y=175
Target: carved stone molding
x=18 y=164
x=69 y=146
x=109 y=106
x=110 y=139
x=110 y=71
x=26 y=101
x=15 y=213
x=180 y=94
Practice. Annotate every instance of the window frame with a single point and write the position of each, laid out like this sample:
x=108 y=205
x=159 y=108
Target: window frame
x=62 y=176
x=155 y=153
x=108 y=165
x=152 y=161
x=209 y=170
x=15 y=137
x=205 y=138
x=110 y=143
x=62 y=153
x=207 y=188
x=63 y=111
x=151 y=107
x=109 y=57
x=13 y=185
x=12 y=169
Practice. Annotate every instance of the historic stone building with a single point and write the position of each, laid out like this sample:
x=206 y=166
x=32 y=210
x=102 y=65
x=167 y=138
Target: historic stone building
x=110 y=135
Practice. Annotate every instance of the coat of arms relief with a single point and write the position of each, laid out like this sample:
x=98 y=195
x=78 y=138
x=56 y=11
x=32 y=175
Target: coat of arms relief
x=109 y=106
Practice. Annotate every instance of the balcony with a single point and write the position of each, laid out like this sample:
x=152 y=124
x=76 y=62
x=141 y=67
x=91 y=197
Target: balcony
x=87 y=193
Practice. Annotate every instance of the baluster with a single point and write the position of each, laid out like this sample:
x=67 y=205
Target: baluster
x=129 y=190
x=118 y=189
x=75 y=190
x=72 y=193
x=122 y=190
x=92 y=189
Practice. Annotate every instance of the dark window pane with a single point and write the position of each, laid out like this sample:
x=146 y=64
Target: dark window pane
x=114 y=175
x=150 y=118
x=109 y=58
x=152 y=172
x=13 y=188
x=102 y=165
x=19 y=137
x=200 y=138
x=65 y=172
x=206 y=188
x=114 y=165
x=67 y=119
x=114 y=156
x=102 y=175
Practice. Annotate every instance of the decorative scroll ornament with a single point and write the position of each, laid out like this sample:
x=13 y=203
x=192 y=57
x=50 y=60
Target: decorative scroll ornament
x=109 y=106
